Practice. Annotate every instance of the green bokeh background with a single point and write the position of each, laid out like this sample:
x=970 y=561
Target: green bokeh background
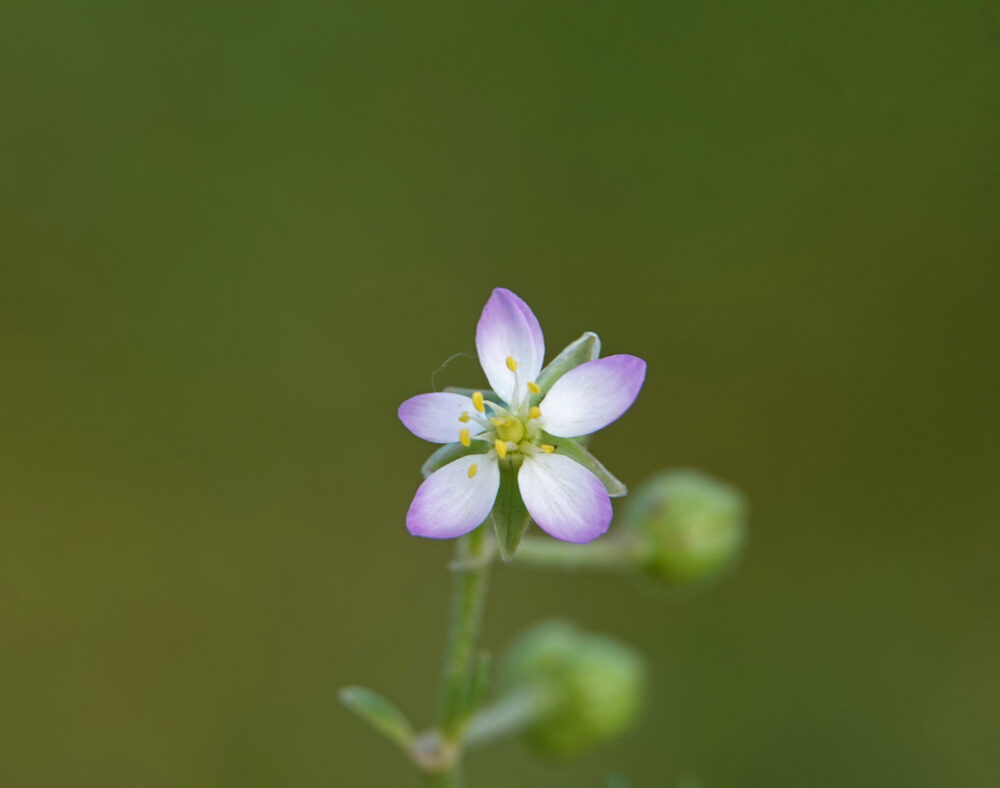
x=233 y=236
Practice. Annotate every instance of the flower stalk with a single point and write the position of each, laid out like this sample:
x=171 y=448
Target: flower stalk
x=508 y=716
x=611 y=555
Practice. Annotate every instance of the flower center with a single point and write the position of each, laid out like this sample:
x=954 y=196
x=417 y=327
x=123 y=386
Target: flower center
x=515 y=428
x=509 y=428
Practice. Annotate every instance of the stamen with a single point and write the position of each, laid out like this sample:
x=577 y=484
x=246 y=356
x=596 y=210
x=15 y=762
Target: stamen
x=463 y=436
x=464 y=418
x=472 y=470
x=511 y=364
x=533 y=388
x=534 y=412
x=477 y=400
x=548 y=448
x=501 y=448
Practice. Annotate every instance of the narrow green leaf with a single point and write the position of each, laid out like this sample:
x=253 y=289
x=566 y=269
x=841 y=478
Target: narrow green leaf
x=572 y=449
x=586 y=348
x=510 y=517
x=379 y=713
x=449 y=453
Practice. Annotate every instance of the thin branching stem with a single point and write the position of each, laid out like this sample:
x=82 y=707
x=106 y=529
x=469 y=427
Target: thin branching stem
x=508 y=716
x=611 y=554
x=448 y=779
x=468 y=595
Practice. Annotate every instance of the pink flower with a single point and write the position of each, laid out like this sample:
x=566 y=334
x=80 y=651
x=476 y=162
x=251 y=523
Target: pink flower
x=506 y=431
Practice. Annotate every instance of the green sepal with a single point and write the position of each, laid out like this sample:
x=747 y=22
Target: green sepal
x=572 y=449
x=382 y=715
x=510 y=516
x=489 y=396
x=586 y=348
x=449 y=453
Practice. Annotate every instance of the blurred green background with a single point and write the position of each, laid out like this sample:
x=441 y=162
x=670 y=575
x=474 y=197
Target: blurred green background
x=234 y=236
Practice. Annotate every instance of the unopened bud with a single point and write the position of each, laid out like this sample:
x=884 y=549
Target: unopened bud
x=691 y=527
x=593 y=686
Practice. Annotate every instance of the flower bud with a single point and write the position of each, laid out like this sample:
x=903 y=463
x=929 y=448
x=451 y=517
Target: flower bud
x=691 y=527
x=592 y=686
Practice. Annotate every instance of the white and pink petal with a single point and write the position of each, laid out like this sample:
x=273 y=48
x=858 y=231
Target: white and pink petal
x=509 y=329
x=438 y=417
x=592 y=395
x=565 y=499
x=455 y=499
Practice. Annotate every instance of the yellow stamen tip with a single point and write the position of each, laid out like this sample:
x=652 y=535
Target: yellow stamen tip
x=472 y=470
x=534 y=412
x=533 y=388
x=464 y=437
x=511 y=364
x=501 y=448
x=477 y=400
x=548 y=448
x=464 y=418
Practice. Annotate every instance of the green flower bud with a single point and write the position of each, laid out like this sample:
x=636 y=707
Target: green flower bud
x=691 y=527
x=592 y=686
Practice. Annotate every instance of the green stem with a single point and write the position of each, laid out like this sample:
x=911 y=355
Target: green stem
x=609 y=554
x=449 y=779
x=470 y=569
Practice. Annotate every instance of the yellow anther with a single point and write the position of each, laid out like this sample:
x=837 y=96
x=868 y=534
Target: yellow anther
x=464 y=418
x=548 y=448
x=472 y=470
x=494 y=420
x=501 y=448
x=511 y=364
x=533 y=388
x=464 y=437
x=534 y=412
x=477 y=400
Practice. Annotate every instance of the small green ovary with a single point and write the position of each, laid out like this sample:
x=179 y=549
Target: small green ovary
x=509 y=428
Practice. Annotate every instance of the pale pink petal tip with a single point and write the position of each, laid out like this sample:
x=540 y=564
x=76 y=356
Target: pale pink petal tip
x=455 y=499
x=565 y=499
x=592 y=395
x=437 y=417
x=508 y=329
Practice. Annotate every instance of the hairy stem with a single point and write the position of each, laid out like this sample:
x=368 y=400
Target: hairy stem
x=449 y=779
x=468 y=594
